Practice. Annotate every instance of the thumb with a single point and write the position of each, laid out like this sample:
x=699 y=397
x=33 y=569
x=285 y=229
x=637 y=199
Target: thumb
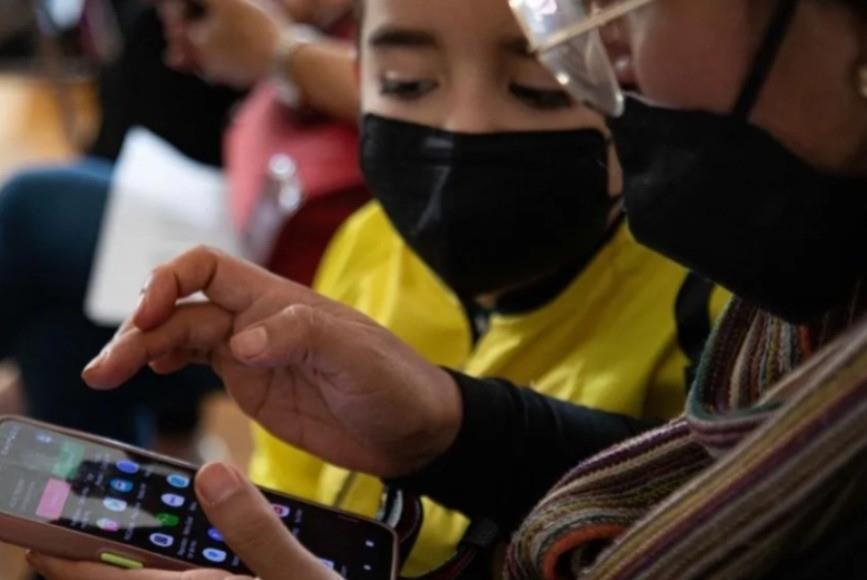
x=248 y=523
x=199 y=34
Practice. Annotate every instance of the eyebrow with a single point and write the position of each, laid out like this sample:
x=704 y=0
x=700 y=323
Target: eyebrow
x=392 y=37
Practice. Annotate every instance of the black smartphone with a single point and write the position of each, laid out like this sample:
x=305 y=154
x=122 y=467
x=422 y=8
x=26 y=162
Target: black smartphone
x=83 y=497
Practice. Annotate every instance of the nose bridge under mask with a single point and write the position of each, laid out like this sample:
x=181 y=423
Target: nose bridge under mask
x=490 y=211
x=471 y=110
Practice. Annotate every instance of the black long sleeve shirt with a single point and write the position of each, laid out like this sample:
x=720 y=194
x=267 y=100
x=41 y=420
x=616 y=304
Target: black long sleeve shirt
x=513 y=446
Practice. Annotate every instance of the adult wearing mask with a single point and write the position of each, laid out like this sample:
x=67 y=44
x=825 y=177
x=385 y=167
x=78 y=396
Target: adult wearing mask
x=782 y=379
x=496 y=243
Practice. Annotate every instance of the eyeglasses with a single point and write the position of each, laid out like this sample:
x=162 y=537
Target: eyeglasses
x=564 y=34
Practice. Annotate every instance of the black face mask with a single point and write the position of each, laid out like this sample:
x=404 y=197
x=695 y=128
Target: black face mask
x=725 y=199
x=489 y=212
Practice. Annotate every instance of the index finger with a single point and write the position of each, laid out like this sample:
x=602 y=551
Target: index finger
x=228 y=282
x=197 y=328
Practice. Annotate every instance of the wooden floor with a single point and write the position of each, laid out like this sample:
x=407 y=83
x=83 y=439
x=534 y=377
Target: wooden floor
x=32 y=131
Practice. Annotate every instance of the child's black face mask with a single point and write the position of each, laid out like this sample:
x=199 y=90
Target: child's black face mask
x=492 y=211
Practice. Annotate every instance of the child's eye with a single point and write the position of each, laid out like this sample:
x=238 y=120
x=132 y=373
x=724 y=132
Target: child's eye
x=407 y=89
x=542 y=98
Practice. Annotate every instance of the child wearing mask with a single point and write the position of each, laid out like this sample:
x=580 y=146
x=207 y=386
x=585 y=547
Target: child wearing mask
x=480 y=254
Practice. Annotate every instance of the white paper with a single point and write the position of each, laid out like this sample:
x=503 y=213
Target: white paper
x=160 y=205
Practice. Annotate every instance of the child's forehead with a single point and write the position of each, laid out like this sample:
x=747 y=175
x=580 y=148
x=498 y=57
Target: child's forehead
x=444 y=19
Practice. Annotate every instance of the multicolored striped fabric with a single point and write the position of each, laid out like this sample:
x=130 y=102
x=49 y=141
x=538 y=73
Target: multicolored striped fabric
x=776 y=417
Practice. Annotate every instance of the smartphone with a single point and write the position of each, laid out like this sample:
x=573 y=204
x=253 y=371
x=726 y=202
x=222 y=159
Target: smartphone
x=83 y=497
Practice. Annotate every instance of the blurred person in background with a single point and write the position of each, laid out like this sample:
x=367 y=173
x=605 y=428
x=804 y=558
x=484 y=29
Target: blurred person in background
x=50 y=217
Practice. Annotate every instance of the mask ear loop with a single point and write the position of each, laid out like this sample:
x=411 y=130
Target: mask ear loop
x=861 y=80
x=861 y=67
x=765 y=58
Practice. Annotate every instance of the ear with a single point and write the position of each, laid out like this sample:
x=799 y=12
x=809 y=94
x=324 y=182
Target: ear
x=356 y=36
x=357 y=69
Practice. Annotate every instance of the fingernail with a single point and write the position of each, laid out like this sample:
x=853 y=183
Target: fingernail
x=251 y=343
x=33 y=560
x=216 y=483
x=139 y=306
x=147 y=283
x=95 y=363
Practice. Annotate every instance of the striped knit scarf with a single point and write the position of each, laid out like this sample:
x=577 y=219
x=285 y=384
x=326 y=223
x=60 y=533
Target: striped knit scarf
x=777 y=414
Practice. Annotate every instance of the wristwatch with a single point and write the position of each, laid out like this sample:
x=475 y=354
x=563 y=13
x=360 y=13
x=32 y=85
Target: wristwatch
x=292 y=39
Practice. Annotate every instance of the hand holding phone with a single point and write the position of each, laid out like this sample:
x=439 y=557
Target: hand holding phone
x=81 y=497
x=253 y=531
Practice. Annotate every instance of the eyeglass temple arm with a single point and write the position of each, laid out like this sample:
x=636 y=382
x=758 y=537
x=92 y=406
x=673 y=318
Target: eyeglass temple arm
x=597 y=20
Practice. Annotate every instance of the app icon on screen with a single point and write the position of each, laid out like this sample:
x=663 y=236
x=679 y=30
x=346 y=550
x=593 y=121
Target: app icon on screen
x=280 y=510
x=173 y=500
x=127 y=466
x=107 y=525
x=215 y=535
x=214 y=555
x=162 y=540
x=121 y=485
x=167 y=520
x=44 y=438
x=114 y=504
x=54 y=497
x=179 y=481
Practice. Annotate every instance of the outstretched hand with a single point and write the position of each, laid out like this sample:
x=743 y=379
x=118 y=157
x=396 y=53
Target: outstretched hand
x=316 y=374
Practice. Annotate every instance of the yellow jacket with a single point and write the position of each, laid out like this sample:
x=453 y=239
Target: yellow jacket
x=608 y=341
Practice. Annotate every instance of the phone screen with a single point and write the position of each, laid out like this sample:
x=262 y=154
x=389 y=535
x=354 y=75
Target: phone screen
x=131 y=498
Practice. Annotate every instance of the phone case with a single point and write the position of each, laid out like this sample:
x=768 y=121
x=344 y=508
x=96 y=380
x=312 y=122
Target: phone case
x=75 y=545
